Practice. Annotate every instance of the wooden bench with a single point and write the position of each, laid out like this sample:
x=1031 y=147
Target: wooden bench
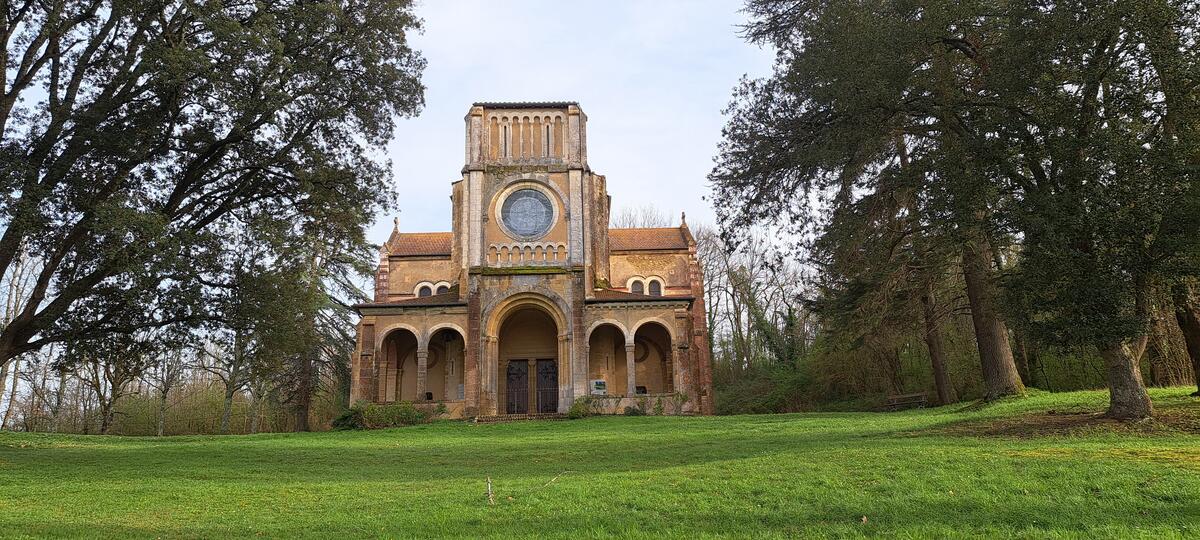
x=906 y=401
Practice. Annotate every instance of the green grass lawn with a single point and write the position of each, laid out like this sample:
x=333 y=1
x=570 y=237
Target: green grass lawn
x=1004 y=470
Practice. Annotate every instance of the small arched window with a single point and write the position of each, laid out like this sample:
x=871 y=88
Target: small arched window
x=655 y=288
x=424 y=291
x=443 y=289
x=636 y=287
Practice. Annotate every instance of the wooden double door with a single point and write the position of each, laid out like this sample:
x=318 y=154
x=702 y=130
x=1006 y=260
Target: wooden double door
x=542 y=391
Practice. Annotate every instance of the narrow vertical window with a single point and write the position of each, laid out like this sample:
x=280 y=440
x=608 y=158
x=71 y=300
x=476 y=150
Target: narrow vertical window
x=546 y=142
x=424 y=291
x=655 y=288
x=443 y=289
x=636 y=288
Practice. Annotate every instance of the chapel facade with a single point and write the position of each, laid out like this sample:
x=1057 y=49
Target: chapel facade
x=531 y=301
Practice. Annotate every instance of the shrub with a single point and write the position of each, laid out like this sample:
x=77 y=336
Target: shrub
x=375 y=416
x=351 y=418
x=634 y=411
x=581 y=408
x=402 y=413
x=658 y=407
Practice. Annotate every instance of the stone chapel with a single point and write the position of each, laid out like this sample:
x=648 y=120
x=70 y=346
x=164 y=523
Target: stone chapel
x=531 y=301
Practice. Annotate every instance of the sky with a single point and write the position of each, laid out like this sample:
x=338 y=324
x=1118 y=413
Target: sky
x=653 y=77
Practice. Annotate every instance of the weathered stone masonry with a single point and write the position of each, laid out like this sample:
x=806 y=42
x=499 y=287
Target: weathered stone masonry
x=531 y=301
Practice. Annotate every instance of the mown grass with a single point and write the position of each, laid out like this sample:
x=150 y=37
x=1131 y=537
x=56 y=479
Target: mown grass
x=914 y=474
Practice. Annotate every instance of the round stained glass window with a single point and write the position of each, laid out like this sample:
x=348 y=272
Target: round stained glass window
x=527 y=213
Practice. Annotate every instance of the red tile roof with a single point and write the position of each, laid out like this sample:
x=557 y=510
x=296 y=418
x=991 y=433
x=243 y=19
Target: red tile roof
x=612 y=295
x=445 y=299
x=429 y=244
x=646 y=239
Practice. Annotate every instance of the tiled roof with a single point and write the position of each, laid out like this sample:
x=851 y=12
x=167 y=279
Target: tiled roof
x=611 y=295
x=525 y=104
x=420 y=244
x=648 y=239
x=445 y=299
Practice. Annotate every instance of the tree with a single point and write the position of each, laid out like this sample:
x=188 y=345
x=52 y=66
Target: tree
x=1110 y=200
x=15 y=286
x=1070 y=128
x=165 y=374
x=166 y=127
x=109 y=365
x=635 y=217
x=843 y=119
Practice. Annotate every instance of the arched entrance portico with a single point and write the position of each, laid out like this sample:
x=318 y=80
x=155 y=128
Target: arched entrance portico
x=653 y=357
x=444 y=379
x=527 y=366
x=398 y=370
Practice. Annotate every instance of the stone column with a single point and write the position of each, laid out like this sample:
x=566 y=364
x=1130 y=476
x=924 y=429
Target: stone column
x=489 y=367
x=669 y=379
x=566 y=373
x=586 y=373
x=448 y=364
x=422 y=361
x=377 y=382
x=630 y=370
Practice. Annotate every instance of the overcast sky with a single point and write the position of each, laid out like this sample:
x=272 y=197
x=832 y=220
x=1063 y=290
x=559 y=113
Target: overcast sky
x=652 y=76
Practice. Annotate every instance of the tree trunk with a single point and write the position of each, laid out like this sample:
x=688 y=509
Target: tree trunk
x=1128 y=399
x=12 y=393
x=105 y=416
x=227 y=411
x=937 y=355
x=162 y=412
x=1000 y=377
x=1187 y=315
x=255 y=410
x=304 y=393
x=3 y=380
x=1024 y=366
x=60 y=394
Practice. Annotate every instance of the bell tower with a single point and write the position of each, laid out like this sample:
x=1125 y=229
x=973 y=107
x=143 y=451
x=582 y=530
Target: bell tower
x=523 y=200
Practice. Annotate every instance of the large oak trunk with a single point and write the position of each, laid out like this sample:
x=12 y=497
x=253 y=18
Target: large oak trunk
x=1000 y=377
x=937 y=355
x=1187 y=314
x=1128 y=399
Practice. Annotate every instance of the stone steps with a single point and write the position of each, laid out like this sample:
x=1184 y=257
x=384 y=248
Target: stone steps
x=501 y=418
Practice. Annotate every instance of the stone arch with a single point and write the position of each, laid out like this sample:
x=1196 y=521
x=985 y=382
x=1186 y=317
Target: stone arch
x=399 y=347
x=597 y=324
x=662 y=285
x=442 y=326
x=606 y=356
x=553 y=303
x=383 y=334
x=501 y=357
x=653 y=348
x=446 y=369
x=669 y=328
